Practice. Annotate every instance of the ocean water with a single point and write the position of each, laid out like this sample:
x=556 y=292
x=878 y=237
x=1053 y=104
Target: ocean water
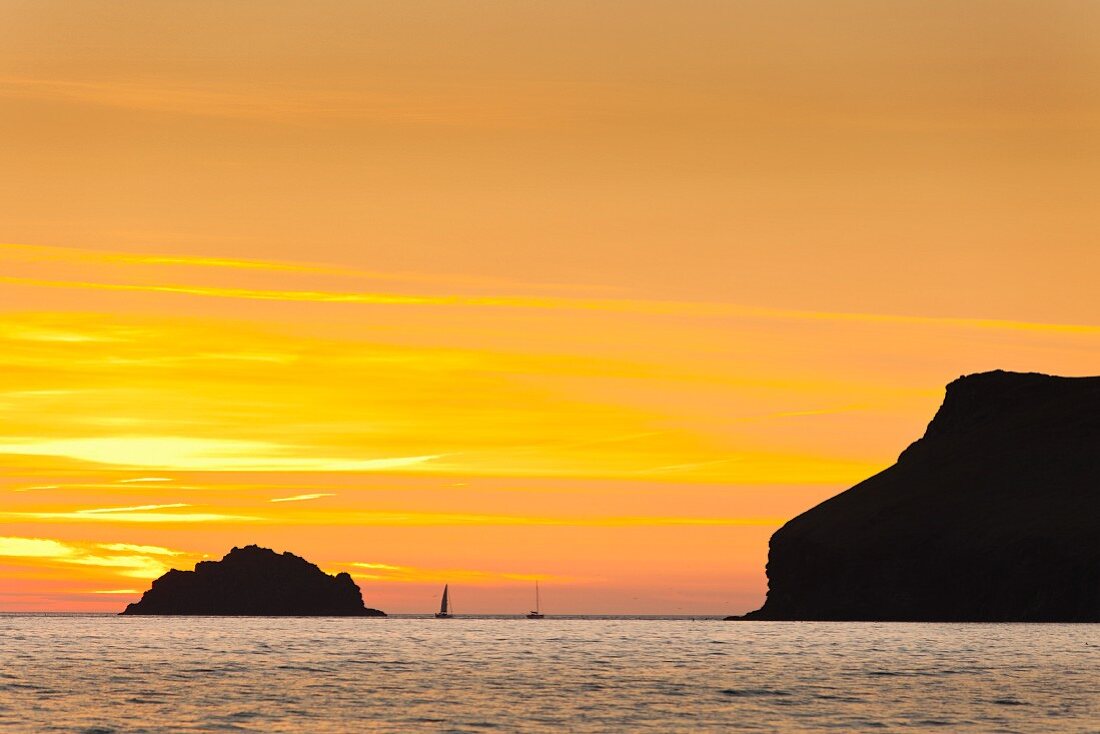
x=94 y=673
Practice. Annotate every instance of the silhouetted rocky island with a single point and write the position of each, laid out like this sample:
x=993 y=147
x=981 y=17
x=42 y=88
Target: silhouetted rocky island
x=992 y=516
x=254 y=581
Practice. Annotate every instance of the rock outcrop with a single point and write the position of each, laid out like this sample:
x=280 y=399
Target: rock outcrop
x=992 y=516
x=254 y=581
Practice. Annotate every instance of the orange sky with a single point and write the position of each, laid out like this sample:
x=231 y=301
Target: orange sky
x=593 y=293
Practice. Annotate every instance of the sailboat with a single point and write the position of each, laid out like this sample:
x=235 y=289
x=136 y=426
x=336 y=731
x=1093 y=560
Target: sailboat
x=445 y=607
x=535 y=614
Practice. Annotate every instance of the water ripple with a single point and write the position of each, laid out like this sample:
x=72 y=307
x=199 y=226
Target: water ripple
x=106 y=675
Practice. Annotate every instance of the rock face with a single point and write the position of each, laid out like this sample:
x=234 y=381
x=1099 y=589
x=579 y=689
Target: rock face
x=994 y=515
x=254 y=581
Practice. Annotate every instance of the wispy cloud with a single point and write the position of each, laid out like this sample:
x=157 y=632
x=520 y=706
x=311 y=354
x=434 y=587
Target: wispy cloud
x=430 y=106
x=192 y=101
x=415 y=575
x=33 y=548
x=135 y=561
x=136 y=508
x=155 y=550
x=163 y=518
x=13 y=252
x=200 y=454
x=458 y=519
x=377 y=566
x=612 y=305
x=136 y=566
x=51 y=254
x=157 y=514
x=302 y=497
x=34 y=333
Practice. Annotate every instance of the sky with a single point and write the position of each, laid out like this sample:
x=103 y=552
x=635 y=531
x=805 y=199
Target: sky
x=483 y=293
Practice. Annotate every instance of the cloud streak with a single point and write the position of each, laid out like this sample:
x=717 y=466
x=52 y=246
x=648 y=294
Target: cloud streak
x=302 y=497
x=426 y=106
x=50 y=254
x=105 y=516
x=200 y=454
x=14 y=252
x=132 y=561
x=413 y=519
x=417 y=575
x=32 y=548
x=610 y=305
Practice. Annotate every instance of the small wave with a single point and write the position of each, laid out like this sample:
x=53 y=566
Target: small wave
x=243 y=715
x=837 y=697
x=475 y=725
x=303 y=668
x=753 y=692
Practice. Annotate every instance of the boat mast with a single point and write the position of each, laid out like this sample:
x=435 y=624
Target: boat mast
x=443 y=605
x=537 y=597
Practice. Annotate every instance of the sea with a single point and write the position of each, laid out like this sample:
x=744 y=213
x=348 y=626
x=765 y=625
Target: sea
x=98 y=674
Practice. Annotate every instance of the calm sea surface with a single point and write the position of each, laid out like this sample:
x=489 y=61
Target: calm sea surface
x=124 y=674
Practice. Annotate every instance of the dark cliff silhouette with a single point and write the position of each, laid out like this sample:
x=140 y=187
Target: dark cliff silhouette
x=254 y=581
x=994 y=515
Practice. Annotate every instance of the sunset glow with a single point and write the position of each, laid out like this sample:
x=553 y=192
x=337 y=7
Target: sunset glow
x=486 y=313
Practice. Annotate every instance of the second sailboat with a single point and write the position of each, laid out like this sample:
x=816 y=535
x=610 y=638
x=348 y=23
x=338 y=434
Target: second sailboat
x=537 y=614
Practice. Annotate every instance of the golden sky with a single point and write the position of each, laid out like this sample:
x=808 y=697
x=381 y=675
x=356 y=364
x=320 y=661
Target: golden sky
x=598 y=294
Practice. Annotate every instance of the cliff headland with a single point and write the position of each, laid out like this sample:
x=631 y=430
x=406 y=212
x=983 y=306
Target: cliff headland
x=992 y=516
